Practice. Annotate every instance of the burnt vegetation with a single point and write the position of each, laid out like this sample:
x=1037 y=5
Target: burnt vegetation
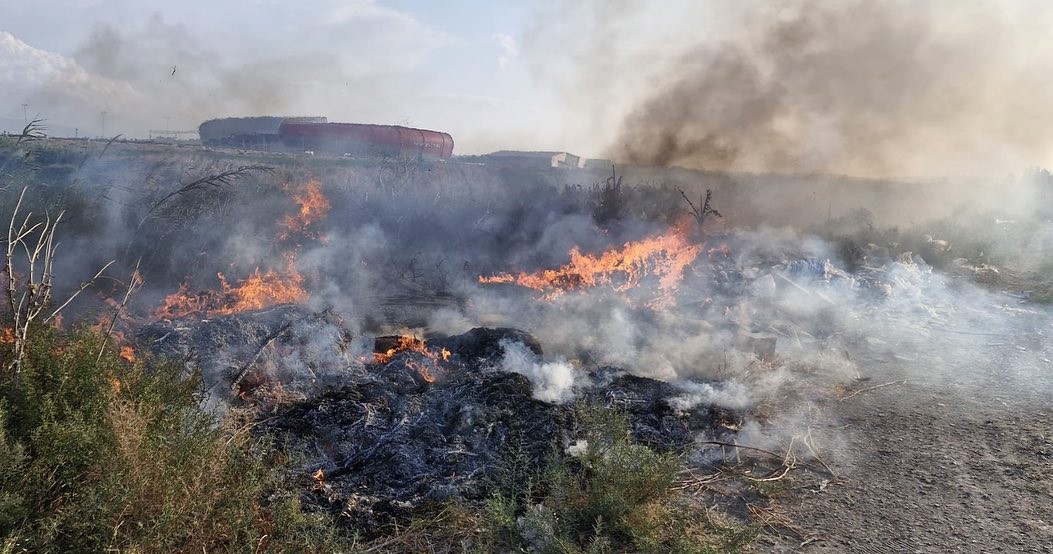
x=313 y=423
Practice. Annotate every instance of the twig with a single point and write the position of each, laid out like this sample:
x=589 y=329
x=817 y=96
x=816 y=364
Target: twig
x=108 y=143
x=808 y=441
x=889 y=384
x=135 y=282
x=83 y=286
x=266 y=342
x=744 y=447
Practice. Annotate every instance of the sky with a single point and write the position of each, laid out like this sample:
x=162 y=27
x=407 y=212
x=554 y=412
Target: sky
x=898 y=87
x=451 y=66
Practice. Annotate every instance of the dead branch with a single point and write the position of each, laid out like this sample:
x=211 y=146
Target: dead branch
x=135 y=282
x=788 y=460
x=108 y=143
x=29 y=295
x=34 y=130
x=809 y=442
x=215 y=181
x=860 y=391
x=263 y=346
x=744 y=447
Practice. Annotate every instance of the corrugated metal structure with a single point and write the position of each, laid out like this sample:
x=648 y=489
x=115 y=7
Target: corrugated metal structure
x=364 y=139
x=246 y=132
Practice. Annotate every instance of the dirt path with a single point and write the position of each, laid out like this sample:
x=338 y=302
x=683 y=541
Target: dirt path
x=958 y=459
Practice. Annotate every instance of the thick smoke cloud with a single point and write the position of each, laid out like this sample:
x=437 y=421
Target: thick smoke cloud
x=864 y=88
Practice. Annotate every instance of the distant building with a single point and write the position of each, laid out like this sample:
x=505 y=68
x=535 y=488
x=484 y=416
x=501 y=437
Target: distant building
x=564 y=160
x=597 y=163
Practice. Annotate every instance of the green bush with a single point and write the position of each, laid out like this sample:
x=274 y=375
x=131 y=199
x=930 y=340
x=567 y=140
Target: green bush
x=97 y=454
x=612 y=495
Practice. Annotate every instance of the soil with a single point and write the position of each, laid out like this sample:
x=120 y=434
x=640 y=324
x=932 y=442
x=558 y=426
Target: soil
x=958 y=458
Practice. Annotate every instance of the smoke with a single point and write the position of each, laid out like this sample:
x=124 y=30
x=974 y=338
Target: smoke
x=865 y=88
x=149 y=71
x=553 y=381
x=774 y=324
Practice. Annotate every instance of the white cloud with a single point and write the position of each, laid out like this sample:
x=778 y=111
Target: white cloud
x=26 y=71
x=509 y=49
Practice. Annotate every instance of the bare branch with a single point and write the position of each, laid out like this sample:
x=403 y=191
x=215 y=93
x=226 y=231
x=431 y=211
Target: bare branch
x=135 y=282
x=29 y=294
x=215 y=180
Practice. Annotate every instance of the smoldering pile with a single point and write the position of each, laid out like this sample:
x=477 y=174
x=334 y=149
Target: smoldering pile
x=388 y=425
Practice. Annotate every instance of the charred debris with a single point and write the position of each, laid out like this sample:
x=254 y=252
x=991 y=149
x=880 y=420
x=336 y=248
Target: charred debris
x=388 y=426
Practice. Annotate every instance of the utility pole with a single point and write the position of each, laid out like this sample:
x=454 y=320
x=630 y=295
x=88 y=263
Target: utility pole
x=25 y=114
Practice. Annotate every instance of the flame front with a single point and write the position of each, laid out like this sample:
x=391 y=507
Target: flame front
x=258 y=291
x=261 y=288
x=664 y=256
x=128 y=353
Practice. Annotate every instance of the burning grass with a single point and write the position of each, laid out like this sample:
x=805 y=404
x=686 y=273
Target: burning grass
x=663 y=257
x=313 y=206
x=259 y=290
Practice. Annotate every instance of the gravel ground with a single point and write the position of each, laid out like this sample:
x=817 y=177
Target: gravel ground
x=959 y=458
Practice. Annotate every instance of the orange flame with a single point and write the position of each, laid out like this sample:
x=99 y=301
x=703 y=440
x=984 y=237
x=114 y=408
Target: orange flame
x=665 y=256
x=7 y=335
x=313 y=206
x=427 y=362
x=128 y=353
x=258 y=291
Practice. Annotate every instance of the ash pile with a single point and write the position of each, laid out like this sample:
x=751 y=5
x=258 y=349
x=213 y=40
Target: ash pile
x=389 y=426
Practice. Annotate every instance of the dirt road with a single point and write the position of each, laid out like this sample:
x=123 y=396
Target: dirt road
x=957 y=459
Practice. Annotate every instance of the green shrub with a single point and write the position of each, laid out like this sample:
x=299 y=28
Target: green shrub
x=97 y=454
x=612 y=495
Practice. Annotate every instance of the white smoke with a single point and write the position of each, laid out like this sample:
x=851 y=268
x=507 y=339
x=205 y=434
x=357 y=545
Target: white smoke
x=553 y=381
x=732 y=395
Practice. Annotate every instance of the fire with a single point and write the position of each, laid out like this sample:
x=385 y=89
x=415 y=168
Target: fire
x=313 y=205
x=7 y=335
x=258 y=291
x=664 y=256
x=261 y=290
x=424 y=364
x=128 y=353
x=406 y=343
